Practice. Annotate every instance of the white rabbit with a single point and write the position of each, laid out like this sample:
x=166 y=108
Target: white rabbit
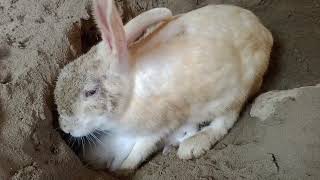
x=199 y=66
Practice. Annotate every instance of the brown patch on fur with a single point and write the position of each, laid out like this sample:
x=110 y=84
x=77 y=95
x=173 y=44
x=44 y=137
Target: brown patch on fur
x=136 y=48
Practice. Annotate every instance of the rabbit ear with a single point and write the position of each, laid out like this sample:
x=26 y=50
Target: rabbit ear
x=110 y=24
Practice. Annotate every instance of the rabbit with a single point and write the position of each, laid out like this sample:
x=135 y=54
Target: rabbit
x=200 y=66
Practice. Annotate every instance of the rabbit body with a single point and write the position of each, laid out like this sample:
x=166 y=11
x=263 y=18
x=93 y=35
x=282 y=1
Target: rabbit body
x=197 y=67
x=201 y=66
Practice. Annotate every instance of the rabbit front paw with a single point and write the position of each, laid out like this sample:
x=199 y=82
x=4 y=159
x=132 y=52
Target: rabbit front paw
x=130 y=163
x=194 y=146
x=143 y=147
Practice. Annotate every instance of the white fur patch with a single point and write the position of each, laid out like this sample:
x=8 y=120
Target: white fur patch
x=110 y=151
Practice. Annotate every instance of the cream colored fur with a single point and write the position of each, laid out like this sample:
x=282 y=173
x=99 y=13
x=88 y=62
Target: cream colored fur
x=196 y=67
x=201 y=66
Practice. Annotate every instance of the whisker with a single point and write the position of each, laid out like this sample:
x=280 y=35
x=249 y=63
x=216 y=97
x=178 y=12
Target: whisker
x=99 y=141
x=87 y=138
x=102 y=132
x=73 y=141
x=98 y=132
x=92 y=139
x=83 y=151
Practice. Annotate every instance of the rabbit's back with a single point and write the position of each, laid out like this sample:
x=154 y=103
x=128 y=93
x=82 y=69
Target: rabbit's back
x=234 y=25
x=222 y=21
x=213 y=62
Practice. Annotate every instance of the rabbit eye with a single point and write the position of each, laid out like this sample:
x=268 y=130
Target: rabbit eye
x=90 y=93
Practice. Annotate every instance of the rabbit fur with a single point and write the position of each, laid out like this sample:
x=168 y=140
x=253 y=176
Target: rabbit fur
x=195 y=67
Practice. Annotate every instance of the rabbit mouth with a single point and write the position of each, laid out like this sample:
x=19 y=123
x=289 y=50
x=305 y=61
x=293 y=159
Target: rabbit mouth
x=79 y=130
x=86 y=132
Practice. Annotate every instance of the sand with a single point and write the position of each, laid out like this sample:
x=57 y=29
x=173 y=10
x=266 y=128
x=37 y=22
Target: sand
x=280 y=141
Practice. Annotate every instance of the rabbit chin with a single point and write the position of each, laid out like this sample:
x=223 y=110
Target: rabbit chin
x=80 y=132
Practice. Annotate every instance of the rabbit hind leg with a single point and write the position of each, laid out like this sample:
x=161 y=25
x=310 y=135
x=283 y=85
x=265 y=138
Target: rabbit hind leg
x=202 y=141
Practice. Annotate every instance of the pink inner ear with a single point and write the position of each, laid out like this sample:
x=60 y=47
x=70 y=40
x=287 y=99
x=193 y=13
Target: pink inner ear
x=103 y=23
x=119 y=34
x=111 y=27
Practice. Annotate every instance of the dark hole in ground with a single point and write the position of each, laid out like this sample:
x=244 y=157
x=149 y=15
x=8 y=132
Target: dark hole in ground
x=83 y=36
x=90 y=35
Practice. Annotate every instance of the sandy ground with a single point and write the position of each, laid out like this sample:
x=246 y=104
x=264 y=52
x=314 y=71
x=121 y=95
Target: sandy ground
x=281 y=141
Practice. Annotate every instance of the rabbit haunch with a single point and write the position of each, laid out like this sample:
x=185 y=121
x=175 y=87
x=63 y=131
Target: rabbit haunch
x=196 y=67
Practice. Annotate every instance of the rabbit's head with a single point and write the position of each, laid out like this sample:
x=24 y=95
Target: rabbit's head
x=93 y=91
